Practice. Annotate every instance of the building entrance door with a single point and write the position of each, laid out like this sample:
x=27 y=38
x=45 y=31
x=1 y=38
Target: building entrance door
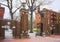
x=41 y=29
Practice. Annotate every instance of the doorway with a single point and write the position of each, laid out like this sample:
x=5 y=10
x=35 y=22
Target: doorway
x=41 y=29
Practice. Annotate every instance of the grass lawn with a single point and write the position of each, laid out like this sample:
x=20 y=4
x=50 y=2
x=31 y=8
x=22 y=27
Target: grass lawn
x=36 y=30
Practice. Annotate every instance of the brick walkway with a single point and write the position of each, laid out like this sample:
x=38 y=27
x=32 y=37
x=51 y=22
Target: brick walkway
x=34 y=39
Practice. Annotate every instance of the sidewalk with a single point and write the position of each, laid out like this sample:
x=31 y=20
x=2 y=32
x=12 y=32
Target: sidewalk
x=35 y=39
x=32 y=38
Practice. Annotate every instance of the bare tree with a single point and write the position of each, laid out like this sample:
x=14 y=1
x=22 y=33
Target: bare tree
x=10 y=5
x=33 y=4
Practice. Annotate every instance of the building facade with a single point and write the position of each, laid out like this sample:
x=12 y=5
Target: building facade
x=57 y=30
x=51 y=22
x=37 y=20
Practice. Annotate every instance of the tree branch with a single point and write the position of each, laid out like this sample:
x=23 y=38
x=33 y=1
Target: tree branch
x=4 y=4
x=11 y=5
x=34 y=1
x=17 y=9
x=28 y=3
x=8 y=4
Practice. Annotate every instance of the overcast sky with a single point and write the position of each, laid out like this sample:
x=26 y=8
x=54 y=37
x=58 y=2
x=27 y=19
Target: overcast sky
x=55 y=6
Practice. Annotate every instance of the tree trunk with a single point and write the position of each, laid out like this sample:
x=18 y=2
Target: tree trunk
x=31 y=29
x=11 y=14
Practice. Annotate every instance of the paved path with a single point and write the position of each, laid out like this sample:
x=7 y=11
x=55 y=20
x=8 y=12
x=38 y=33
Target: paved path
x=34 y=39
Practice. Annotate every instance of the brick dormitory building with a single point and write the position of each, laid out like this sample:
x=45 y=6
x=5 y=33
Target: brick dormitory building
x=50 y=21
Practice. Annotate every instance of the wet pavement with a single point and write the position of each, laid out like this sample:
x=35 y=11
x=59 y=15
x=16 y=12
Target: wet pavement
x=33 y=39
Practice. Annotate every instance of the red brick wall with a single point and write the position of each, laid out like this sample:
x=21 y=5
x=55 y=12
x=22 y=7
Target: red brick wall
x=24 y=21
x=1 y=12
x=37 y=20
